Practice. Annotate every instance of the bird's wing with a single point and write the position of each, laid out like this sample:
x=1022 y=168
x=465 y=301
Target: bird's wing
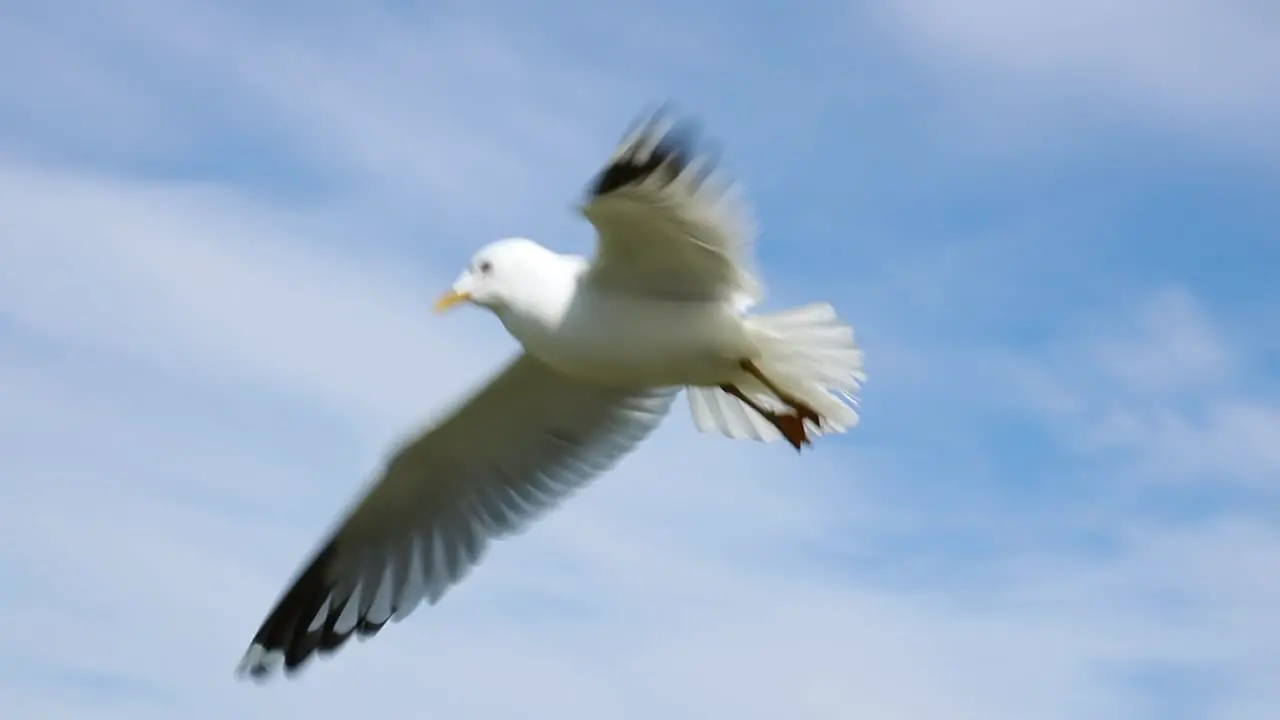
x=513 y=451
x=669 y=225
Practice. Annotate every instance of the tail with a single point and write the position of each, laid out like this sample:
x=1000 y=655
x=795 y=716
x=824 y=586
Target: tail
x=808 y=353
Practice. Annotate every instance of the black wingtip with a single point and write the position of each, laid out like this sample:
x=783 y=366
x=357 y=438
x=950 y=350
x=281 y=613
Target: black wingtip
x=285 y=641
x=661 y=143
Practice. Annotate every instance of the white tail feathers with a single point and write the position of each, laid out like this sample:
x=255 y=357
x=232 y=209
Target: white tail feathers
x=809 y=354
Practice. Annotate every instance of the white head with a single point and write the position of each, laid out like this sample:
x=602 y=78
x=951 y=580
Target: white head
x=510 y=273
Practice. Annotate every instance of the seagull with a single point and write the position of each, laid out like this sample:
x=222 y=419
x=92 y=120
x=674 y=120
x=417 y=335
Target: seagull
x=607 y=344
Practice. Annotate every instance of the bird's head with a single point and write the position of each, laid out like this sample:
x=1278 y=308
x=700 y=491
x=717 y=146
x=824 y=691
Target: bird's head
x=503 y=274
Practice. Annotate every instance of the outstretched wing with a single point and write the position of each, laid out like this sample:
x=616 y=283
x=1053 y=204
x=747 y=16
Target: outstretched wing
x=516 y=449
x=669 y=225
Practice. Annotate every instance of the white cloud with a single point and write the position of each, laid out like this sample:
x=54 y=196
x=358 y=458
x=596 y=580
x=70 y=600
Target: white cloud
x=203 y=278
x=437 y=115
x=1173 y=348
x=1199 y=65
x=1165 y=388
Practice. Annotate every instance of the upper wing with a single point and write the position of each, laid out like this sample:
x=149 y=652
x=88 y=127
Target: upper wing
x=668 y=225
x=518 y=447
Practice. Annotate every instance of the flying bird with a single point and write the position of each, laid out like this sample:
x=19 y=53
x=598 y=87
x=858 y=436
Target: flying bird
x=607 y=344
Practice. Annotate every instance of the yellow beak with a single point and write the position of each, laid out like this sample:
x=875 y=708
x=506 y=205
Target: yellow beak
x=450 y=299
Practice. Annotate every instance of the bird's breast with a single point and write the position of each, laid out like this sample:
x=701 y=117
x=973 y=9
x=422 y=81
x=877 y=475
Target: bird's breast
x=618 y=339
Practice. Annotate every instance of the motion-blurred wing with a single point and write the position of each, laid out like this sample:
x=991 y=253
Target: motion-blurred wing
x=516 y=449
x=669 y=226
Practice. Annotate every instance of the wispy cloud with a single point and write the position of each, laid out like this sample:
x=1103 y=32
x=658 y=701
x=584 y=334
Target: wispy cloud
x=1190 y=66
x=223 y=228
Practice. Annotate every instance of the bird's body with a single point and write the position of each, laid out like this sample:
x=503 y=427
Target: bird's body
x=607 y=344
x=627 y=340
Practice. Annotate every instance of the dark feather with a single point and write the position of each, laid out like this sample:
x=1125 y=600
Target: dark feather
x=675 y=146
x=285 y=629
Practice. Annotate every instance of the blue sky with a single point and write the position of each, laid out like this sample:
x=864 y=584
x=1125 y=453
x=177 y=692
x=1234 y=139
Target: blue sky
x=1053 y=224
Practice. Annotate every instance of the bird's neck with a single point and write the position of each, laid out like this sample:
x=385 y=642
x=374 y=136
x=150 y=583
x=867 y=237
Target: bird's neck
x=538 y=307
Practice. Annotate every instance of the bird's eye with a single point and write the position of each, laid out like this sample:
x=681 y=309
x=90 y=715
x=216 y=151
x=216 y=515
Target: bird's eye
x=486 y=267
